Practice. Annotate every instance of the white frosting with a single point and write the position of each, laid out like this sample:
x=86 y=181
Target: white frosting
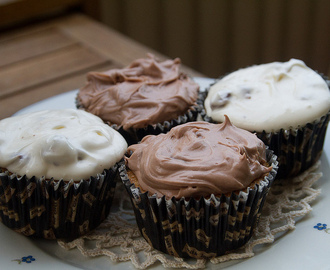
x=269 y=97
x=63 y=144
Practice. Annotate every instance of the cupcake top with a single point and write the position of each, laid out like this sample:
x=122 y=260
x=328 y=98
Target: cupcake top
x=61 y=144
x=145 y=93
x=198 y=159
x=269 y=97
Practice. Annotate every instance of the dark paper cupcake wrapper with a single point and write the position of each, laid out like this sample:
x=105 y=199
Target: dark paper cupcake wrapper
x=203 y=228
x=133 y=136
x=55 y=209
x=297 y=149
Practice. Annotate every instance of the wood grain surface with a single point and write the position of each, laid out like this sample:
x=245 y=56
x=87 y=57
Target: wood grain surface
x=54 y=57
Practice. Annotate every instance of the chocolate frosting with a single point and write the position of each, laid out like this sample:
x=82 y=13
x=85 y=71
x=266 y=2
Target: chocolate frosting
x=146 y=92
x=198 y=159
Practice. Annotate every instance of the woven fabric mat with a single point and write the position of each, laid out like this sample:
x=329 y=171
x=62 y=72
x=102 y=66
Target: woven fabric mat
x=119 y=239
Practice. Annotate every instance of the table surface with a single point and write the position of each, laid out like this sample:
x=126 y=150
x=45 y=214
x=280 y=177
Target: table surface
x=53 y=57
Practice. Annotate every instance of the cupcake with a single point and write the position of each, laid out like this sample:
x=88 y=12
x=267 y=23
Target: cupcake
x=146 y=97
x=58 y=171
x=198 y=190
x=286 y=104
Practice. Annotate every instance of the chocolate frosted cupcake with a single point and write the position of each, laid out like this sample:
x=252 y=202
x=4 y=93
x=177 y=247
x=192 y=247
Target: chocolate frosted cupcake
x=146 y=97
x=198 y=190
x=58 y=172
x=286 y=104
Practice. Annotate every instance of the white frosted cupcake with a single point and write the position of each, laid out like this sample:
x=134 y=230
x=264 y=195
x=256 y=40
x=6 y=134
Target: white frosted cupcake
x=286 y=104
x=58 y=172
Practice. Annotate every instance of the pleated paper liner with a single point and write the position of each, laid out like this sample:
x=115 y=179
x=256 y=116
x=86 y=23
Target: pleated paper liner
x=133 y=135
x=53 y=209
x=297 y=149
x=199 y=228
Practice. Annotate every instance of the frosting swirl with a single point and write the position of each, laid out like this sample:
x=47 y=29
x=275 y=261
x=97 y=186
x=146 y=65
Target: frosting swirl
x=61 y=144
x=198 y=159
x=146 y=92
x=269 y=97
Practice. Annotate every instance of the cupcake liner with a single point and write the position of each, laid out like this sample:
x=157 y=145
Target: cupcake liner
x=297 y=149
x=199 y=228
x=54 y=209
x=133 y=136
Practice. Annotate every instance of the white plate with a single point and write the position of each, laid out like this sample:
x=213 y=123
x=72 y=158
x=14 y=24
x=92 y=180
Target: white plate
x=303 y=248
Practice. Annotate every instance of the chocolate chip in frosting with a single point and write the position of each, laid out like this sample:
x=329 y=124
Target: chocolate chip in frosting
x=220 y=100
x=246 y=92
x=21 y=157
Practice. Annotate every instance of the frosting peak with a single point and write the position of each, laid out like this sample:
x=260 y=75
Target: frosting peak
x=144 y=93
x=198 y=159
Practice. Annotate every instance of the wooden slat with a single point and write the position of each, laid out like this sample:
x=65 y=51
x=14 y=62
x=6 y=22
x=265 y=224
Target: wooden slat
x=298 y=30
x=320 y=39
x=135 y=19
x=51 y=88
x=18 y=11
x=246 y=29
x=213 y=33
x=27 y=46
x=256 y=31
x=94 y=47
x=92 y=8
x=179 y=30
x=110 y=43
x=272 y=24
x=47 y=67
x=112 y=14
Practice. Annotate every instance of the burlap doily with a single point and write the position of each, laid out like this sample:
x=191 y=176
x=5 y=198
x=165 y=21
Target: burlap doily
x=119 y=239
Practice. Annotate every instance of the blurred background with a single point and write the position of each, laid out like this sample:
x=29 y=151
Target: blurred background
x=213 y=37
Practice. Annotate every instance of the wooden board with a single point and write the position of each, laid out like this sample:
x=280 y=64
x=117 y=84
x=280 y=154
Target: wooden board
x=53 y=57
